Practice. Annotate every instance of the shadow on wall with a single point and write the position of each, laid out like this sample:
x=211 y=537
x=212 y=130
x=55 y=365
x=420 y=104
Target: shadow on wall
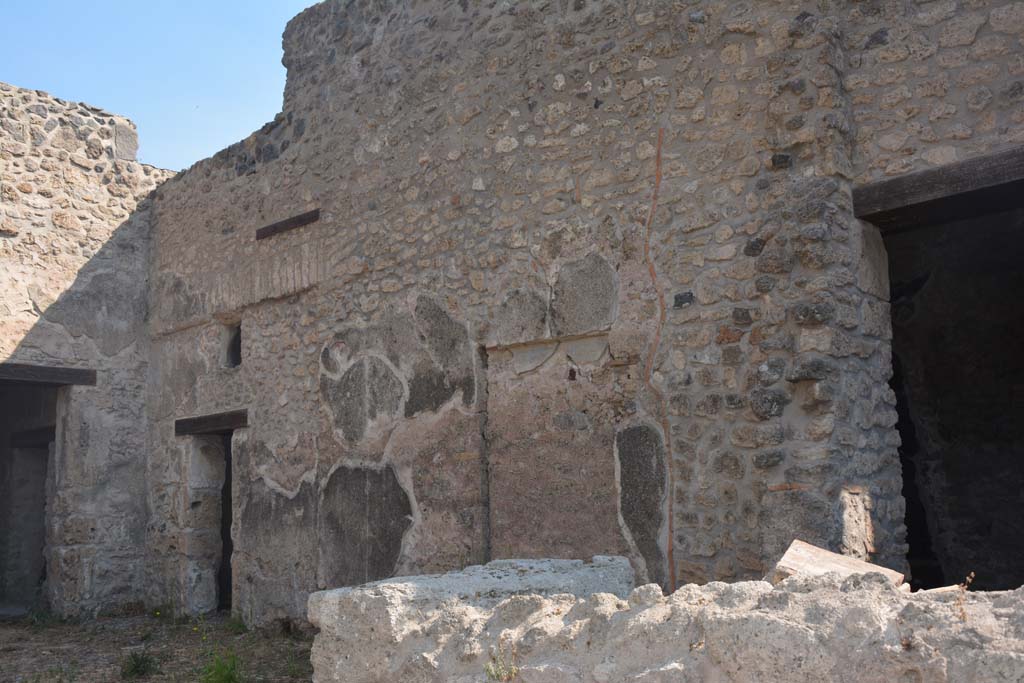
x=94 y=514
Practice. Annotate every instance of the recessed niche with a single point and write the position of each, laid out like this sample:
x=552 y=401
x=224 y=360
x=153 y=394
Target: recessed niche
x=233 y=346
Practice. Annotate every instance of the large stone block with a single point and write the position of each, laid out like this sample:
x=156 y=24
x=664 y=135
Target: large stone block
x=859 y=629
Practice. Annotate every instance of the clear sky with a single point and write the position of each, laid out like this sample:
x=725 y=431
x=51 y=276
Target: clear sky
x=194 y=75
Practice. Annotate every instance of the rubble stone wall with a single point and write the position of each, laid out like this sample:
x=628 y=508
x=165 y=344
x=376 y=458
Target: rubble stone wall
x=74 y=233
x=859 y=629
x=585 y=280
x=931 y=83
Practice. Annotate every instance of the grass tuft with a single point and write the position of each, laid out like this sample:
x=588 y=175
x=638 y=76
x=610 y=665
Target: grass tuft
x=237 y=626
x=224 y=669
x=138 y=665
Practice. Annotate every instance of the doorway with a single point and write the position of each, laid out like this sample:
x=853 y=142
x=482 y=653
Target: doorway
x=227 y=546
x=958 y=318
x=27 y=432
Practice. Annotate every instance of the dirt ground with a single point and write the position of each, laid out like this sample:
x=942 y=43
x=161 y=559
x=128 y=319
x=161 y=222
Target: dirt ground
x=42 y=650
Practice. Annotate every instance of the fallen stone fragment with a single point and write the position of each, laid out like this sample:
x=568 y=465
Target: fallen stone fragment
x=804 y=559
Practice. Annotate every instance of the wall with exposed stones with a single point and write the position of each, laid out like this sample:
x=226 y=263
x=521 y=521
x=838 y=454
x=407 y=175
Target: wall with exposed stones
x=855 y=630
x=586 y=279
x=931 y=83
x=73 y=265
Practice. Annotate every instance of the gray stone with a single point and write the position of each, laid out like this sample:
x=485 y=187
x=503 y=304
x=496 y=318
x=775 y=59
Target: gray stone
x=768 y=403
x=641 y=457
x=126 y=142
x=584 y=297
x=522 y=317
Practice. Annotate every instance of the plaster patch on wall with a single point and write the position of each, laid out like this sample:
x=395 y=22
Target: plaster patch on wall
x=584 y=296
x=364 y=514
x=640 y=470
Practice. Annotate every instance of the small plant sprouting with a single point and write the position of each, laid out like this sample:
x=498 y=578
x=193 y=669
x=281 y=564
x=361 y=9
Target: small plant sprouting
x=961 y=598
x=299 y=666
x=502 y=668
x=236 y=626
x=40 y=617
x=138 y=665
x=222 y=669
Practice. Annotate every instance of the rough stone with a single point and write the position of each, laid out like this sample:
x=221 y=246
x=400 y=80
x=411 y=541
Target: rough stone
x=516 y=259
x=583 y=298
x=860 y=628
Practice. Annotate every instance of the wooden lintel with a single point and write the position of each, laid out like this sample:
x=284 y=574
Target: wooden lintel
x=288 y=224
x=34 y=438
x=217 y=423
x=46 y=374
x=982 y=185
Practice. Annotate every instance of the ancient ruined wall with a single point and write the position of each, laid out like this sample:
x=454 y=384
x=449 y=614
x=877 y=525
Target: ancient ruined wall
x=73 y=244
x=585 y=280
x=933 y=82
x=860 y=629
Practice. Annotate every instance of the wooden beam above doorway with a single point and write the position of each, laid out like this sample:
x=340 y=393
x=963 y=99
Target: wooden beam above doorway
x=20 y=373
x=982 y=185
x=215 y=423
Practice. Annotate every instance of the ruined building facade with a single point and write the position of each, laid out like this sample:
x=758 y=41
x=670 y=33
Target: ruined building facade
x=520 y=279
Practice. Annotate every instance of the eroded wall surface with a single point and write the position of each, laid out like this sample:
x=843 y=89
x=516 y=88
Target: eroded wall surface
x=74 y=236
x=586 y=280
x=855 y=630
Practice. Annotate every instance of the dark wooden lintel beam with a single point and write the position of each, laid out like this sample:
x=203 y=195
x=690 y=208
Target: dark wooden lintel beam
x=45 y=374
x=978 y=186
x=288 y=224
x=217 y=423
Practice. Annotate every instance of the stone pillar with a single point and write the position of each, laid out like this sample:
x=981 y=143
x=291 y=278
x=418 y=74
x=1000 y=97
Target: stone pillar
x=777 y=345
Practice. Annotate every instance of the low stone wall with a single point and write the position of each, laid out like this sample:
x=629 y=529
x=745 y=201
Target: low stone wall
x=822 y=629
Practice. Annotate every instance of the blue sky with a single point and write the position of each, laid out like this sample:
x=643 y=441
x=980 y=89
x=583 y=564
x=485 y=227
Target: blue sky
x=194 y=75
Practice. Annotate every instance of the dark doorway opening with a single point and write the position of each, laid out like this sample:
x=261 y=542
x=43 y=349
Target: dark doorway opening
x=210 y=491
x=227 y=546
x=958 y=318
x=27 y=429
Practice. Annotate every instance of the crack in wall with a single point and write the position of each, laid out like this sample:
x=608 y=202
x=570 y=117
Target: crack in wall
x=649 y=364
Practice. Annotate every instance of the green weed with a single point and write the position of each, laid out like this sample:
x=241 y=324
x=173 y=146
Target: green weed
x=138 y=665
x=222 y=669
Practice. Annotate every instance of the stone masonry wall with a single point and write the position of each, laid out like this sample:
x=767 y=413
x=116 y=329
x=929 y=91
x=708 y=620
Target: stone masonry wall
x=73 y=244
x=933 y=82
x=586 y=280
